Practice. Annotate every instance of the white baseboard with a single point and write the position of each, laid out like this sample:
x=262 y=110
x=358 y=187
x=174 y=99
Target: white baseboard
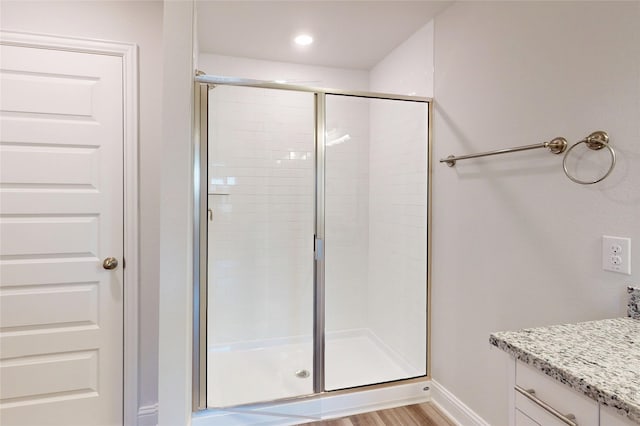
x=450 y=405
x=148 y=415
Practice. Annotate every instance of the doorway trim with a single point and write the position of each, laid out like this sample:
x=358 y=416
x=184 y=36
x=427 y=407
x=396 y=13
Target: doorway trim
x=129 y=54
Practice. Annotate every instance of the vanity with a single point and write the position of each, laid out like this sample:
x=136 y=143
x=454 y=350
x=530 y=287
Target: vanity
x=584 y=374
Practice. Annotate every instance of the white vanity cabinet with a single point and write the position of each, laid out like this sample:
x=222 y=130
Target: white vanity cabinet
x=609 y=417
x=556 y=365
x=541 y=400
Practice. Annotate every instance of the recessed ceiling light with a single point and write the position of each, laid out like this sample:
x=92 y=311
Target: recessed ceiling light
x=303 y=40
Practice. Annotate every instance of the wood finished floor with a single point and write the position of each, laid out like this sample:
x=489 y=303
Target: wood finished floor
x=418 y=414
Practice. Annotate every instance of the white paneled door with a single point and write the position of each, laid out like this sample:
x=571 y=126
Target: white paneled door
x=61 y=216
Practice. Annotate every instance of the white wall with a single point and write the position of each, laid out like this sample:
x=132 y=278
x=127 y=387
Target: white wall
x=304 y=75
x=176 y=238
x=137 y=22
x=516 y=244
x=407 y=69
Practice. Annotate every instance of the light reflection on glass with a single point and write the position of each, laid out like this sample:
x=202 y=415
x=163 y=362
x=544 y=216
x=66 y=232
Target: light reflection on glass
x=334 y=137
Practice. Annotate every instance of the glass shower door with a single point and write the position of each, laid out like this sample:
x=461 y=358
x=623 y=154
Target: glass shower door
x=375 y=241
x=260 y=245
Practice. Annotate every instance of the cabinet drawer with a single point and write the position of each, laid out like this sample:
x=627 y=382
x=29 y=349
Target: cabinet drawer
x=524 y=420
x=539 y=414
x=556 y=395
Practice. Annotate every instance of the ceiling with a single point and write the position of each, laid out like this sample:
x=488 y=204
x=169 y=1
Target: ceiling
x=347 y=34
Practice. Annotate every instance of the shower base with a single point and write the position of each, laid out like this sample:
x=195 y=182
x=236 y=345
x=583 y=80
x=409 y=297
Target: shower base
x=263 y=371
x=322 y=407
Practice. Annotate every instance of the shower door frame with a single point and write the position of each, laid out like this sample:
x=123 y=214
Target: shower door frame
x=202 y=84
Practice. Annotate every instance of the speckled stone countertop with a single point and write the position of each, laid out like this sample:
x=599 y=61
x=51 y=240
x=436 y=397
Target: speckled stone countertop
x=600 y=359
x=633 y=307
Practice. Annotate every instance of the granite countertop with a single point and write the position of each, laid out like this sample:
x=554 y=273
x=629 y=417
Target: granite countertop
x=600 y=359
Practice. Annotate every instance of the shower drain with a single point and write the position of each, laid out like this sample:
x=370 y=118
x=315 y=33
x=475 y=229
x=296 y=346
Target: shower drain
x=303 y=374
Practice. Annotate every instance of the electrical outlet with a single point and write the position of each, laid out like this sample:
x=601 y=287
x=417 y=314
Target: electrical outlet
x=616 y=254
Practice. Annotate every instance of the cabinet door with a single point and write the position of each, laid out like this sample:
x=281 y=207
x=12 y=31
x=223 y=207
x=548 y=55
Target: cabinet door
x=536 y=413
x=609 y=417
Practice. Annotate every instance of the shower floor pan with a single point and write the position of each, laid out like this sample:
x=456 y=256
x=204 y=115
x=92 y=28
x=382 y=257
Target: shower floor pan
x=252 y=372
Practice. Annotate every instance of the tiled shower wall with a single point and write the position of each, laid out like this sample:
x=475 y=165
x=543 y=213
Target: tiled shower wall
x=346 y=213
x=397 y=288
x=261 y=184
x=261 y=189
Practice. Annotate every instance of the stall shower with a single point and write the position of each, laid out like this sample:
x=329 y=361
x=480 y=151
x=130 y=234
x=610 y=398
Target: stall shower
x=312 y=239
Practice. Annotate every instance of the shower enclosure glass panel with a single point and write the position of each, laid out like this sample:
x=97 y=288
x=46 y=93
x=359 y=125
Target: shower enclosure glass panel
x=375 y=241
x=260 y=245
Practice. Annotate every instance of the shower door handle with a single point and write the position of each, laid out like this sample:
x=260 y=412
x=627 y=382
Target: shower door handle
x=318 y=249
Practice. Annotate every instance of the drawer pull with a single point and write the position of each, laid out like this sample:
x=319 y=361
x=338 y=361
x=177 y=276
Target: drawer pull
x=568 y=419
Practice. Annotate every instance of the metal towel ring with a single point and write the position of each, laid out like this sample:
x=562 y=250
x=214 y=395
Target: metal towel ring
x=595 y=141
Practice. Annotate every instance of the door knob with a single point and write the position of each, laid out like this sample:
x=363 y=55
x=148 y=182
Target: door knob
x=110 y=263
